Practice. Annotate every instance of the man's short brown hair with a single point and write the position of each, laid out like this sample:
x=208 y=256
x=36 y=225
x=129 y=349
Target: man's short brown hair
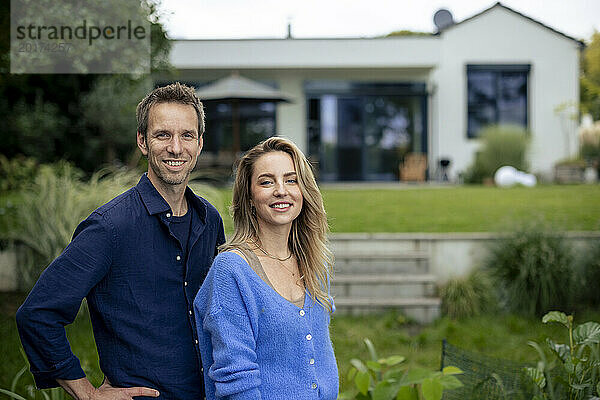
x=173 y=93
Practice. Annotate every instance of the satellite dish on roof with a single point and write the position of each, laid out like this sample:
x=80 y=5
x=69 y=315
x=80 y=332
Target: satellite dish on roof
x=443 y=19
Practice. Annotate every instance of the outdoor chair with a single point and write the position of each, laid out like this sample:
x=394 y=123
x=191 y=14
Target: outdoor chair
x=413 y=168
x=486 y=377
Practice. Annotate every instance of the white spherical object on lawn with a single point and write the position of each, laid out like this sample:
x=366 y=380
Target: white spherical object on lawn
x=505 y=176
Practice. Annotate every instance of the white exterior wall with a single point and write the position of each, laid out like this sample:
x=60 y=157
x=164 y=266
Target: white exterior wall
x=499 y=36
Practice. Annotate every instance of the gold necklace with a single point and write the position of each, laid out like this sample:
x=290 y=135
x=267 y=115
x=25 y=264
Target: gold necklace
x=289 y=270
x=281 y=260
x=266 y=253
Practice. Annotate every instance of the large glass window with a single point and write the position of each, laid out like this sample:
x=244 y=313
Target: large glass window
x=497 y=94
x=256 y=123
x=363 y=131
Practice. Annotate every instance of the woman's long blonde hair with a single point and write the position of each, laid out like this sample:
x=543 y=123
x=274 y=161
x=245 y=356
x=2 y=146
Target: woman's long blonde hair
x=308 y=235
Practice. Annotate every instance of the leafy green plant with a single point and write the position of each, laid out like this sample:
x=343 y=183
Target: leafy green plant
x=469 y=296
x=573 y=373
x=500 y=145
x=389 y=378
x=533 y=268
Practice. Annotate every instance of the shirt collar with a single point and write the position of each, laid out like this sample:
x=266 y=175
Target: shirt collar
x=156 y=204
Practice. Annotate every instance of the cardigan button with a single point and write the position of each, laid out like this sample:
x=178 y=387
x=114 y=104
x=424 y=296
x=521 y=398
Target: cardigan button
x=313 y=386
x=302 y=313
x=178 y=258
x=312 y=361
x=168 y=215
x=308 y=337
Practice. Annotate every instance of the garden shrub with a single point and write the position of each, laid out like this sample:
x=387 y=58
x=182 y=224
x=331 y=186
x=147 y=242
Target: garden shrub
x=16 y=172
x=533 y=269
x=588 y=276
x=589 y=139
x=469 y=296
x=500 y=145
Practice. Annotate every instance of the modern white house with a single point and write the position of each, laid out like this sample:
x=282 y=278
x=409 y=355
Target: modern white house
x=361 y=104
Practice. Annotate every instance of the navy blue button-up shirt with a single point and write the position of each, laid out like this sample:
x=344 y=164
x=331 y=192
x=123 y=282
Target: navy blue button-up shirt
x=140 y=290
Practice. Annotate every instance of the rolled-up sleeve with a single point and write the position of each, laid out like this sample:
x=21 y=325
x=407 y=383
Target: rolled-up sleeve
x=55 y=300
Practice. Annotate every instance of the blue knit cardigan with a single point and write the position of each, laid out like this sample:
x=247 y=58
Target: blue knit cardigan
x=257 y=345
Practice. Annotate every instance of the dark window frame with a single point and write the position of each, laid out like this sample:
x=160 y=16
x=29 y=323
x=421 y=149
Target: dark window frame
x=497 y=70
x=314 y=90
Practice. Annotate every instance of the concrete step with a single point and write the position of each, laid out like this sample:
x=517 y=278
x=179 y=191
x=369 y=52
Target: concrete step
x=376 y=243
x=384 y=285
x=389 y=262
x=424 y=310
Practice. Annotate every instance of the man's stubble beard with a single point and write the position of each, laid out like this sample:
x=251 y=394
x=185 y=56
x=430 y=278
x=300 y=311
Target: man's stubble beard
x=170 y=179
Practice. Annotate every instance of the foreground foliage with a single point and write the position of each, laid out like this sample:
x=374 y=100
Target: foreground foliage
x=389 y=378
x=573 y=371
x=497 y=335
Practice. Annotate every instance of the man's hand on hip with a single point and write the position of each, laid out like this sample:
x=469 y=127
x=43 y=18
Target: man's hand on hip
x=82 y=389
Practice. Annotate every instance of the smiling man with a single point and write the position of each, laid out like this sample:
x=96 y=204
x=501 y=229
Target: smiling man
x=139 y=261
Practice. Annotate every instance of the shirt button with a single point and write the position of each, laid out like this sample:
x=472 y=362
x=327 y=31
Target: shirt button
x=308 y=337
x=184 y=283
x=168 y=215
x=313 y=386
x=178 y=258
x=302 y=313
x=312 y=361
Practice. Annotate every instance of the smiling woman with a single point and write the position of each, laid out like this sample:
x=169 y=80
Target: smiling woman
x=275 y=192
x=265 y=304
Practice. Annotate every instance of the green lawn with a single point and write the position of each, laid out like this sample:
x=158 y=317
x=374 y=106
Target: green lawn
x=461 y=209
x=502 y=336
x=456 y=208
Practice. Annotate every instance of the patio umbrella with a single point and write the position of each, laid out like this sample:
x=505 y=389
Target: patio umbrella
x=236 y=89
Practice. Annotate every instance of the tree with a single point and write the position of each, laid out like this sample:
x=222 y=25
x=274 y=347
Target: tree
x=46 y=115
x=590 y=78
x=115 y=96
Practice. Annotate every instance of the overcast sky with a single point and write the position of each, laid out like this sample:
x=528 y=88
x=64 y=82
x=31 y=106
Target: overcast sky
x=224 y=19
